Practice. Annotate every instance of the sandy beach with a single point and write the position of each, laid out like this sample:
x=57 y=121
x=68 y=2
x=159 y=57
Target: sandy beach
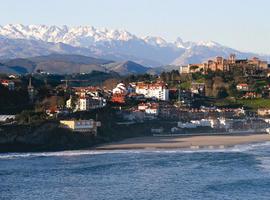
x=193 y=142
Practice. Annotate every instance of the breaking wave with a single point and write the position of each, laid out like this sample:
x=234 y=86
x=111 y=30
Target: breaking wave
x=248 y=148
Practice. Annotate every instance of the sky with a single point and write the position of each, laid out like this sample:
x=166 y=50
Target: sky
x=240 y=24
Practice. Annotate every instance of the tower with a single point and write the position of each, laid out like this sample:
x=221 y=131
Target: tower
x=232 y=58
x=31 y=90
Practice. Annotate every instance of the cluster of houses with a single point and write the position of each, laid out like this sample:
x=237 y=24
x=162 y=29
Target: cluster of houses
x=153 y=101
x=86 y=98
x=156 y=91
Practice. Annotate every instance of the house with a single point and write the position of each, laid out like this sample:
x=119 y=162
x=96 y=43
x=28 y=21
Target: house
x=242 y=87
x=149 y=108
x=119 y=94
x=251 y=95
x=4 y=118
x=157 y=90
x=86 y=103
x=263 y=112
x=90 y=90
x=69 y=103
x=197 y=88
x=83 y=126
x=118 y=98
x=120 y=89
x=8 y=84
x=184 y=69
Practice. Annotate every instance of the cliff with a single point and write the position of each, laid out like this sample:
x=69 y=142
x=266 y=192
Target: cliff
x=45 y=137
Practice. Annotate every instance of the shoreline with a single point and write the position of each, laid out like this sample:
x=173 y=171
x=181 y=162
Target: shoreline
x=185 y=142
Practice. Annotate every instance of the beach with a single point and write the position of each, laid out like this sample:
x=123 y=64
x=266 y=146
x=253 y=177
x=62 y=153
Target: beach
x=192 y=142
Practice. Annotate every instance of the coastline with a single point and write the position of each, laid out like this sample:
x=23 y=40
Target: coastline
x=185 y=142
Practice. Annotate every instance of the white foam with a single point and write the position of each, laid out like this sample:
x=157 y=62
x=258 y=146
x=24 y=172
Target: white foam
x=250 y=148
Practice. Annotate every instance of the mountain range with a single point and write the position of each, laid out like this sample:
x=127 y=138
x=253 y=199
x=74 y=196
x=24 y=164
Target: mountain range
x=24 y=41
x=69 y=64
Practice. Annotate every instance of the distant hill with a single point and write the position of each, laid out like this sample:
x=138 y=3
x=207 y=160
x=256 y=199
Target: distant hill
x=128 y=67
x=68 y=64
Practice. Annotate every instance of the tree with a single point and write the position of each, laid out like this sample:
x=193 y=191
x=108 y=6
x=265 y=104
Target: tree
x=222 y=93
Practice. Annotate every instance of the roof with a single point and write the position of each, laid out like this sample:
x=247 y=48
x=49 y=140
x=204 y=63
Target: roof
x=242 y=84
x=5 y=117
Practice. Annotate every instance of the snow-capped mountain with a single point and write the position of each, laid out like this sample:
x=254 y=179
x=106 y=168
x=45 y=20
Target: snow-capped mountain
x=86 y=36
x=81 y=36
x=19 y=40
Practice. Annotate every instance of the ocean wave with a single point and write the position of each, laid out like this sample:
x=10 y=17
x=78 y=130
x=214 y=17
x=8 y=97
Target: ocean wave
x=49 y=154
x=210 y=149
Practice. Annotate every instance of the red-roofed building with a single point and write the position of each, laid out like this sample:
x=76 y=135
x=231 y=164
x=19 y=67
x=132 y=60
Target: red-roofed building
x=9 y=84
x=242 y=87
x=157 y=90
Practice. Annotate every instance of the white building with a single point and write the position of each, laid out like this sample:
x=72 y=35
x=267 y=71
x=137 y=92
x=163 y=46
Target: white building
x=69 y=103
x=157 y=91
x=4 y=118
x=197 y=123
x=120 y=89
x=87 y=103
x=184 y=69
x=242 y=87
x=149 y=108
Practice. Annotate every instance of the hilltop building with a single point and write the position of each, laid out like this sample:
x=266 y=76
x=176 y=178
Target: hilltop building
x=226 y=65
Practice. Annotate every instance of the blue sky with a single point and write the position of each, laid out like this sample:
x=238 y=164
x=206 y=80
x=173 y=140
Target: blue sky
x=241 y=24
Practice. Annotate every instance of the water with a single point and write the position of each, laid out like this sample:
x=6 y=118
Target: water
x=241 y=172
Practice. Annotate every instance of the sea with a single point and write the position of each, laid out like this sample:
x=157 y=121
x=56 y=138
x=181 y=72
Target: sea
x=239 y=172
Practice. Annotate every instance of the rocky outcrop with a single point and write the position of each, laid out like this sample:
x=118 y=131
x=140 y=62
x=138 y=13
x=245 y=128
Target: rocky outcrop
x=45 y=137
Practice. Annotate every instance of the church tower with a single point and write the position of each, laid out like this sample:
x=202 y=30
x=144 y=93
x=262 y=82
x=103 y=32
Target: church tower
x=31 y=90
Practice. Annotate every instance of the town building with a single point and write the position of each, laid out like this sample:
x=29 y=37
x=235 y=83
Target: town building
x=263 y=112
x=86 y=103
x=120 y=89
x=149 y=108
x=119 y=94
x=242 y=87
x=197 y=123
x=197 y=88
x=83 y=126
x=157 y=90
x=8 y=84
x=184 y=69
x=4 y=118
x=251 y=95
x=118 y=98
x=31 y=91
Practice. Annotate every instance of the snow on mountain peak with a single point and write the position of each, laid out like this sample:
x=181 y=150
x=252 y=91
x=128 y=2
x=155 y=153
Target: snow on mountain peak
x=87 y=36
x=208 y=44
x=155 y=41
x=84 y=36
x=179 y=43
